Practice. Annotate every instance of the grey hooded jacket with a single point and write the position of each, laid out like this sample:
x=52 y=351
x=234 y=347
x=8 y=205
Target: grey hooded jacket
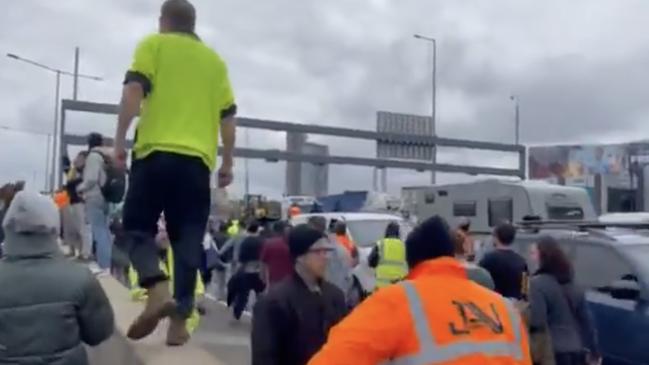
x=49 y=306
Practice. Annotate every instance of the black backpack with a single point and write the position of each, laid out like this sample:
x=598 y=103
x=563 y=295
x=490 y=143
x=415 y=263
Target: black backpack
x=114 y=188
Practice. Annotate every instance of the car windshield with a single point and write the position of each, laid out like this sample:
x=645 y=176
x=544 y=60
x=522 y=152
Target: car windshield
x=365 y=233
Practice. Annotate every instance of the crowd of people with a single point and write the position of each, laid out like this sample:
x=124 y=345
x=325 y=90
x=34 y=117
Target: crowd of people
x=432 y=304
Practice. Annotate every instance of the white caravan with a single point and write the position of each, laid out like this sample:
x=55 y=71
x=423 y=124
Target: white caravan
x=487 y=203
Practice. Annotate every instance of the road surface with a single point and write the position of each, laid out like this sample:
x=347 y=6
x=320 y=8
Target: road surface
x=227 y=339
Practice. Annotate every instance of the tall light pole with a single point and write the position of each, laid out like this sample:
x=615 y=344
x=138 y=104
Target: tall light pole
x=47 y=149
x=245 y=164
x=517 y=119
x=433 y=128
x=57 y=93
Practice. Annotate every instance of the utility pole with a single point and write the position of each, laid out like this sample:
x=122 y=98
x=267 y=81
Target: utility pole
x=517 y=120
x=75 y=88
x=245 y=164
x=433 y=127
x=56 y=128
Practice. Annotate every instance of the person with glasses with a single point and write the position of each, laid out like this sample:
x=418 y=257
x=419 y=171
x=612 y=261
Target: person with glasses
x=291 y=322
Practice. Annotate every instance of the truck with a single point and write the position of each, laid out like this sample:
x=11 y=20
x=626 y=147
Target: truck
x=360 y=201
x=487 y=203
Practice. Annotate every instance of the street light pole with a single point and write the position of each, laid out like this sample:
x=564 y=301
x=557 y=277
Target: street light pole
x=58 y=72
x=433 y=126
x=517 y=119
x=56 y=127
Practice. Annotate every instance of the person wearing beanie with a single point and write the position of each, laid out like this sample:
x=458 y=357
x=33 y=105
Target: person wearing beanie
x=436 y=316
x=291 y=322
x=50 y=307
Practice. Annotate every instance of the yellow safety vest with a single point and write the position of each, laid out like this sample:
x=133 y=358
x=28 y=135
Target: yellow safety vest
x=233 y=230
x=392 y=262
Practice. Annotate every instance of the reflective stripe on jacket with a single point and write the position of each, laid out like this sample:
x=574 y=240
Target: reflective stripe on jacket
x=392 y=262
x=437 y=316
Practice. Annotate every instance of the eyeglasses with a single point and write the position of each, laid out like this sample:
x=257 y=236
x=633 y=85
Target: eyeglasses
x=320 y=251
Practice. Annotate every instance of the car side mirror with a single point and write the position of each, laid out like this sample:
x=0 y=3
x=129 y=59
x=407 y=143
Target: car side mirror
x=625 y=290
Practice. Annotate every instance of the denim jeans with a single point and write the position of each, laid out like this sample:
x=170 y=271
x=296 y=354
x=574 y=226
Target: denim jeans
x=97 y=215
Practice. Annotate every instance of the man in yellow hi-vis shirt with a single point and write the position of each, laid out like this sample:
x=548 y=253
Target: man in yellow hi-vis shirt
x=180 y=88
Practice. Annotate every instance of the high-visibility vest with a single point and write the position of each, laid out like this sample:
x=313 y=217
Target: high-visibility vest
x=436 y=316
x=392 y=262
x=233 y=230
x=293 y=211
x=347 y=243
x=62 y=199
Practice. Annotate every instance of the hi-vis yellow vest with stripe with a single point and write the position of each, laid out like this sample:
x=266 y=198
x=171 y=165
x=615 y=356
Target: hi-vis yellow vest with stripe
x=392 y=262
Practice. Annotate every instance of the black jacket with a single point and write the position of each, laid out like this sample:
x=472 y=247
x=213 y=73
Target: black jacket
x=290 y=323
x=250 y=249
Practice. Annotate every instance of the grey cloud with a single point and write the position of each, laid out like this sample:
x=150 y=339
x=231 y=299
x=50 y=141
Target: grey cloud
x=338 y=62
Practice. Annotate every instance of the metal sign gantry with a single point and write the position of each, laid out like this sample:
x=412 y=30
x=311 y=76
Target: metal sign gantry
x=274 y=155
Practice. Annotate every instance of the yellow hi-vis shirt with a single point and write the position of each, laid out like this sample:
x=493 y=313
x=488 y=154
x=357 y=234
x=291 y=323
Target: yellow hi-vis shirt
x=187 y=94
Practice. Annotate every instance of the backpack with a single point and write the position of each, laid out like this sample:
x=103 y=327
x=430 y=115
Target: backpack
x=114 y=188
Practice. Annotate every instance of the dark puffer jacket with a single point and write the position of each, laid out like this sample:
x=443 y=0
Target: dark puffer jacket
x=49 y=306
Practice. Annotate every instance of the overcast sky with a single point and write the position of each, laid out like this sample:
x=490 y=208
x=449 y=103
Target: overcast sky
x=579 y=68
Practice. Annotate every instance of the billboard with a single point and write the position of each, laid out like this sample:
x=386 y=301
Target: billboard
x=582 y=162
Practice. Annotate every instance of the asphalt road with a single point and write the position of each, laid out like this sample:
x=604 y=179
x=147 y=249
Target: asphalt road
x=225 y=338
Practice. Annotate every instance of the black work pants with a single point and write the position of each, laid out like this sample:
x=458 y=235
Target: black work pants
x=178 y=186
x=569 y=358
x=239 y=290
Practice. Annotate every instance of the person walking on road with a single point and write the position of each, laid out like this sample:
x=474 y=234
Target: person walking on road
x=90 y=189
x=436 y=316
x=50 y=307
x=340 y=230
x=389 y=257
x=276 y=256
x=476 y=273
x=507 y=268
x=247 y=277
x=558 y=304
x=74 y=215
x=339 y=270
x=291 y=322
x=180 y=88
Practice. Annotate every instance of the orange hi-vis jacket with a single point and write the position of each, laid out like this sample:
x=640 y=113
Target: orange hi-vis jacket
x=436 y=316
x=346 y=242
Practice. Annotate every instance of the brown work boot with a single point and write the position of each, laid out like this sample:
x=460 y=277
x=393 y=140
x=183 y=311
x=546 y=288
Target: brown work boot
x=177 y=334
x=158 y=306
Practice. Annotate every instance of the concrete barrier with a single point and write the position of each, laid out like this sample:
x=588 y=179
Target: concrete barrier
x=119 y=350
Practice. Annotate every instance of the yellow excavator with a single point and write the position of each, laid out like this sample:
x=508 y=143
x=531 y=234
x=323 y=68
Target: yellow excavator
x=260 y=208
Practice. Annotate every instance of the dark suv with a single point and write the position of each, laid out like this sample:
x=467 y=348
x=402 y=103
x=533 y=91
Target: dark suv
x=612 y=263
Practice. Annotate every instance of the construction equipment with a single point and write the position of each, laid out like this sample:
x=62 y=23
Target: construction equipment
x=261 y=208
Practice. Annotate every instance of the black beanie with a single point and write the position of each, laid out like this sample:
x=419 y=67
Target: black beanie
x=429 y=240
x=301 y=238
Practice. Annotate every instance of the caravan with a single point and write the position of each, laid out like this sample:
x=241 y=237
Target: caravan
x=489 y=202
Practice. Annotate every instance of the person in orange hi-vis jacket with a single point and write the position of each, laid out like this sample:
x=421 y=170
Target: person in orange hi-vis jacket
x=436 y=316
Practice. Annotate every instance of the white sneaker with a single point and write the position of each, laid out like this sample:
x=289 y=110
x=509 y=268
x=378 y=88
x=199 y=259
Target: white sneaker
x=94 y=268
x=102 y=273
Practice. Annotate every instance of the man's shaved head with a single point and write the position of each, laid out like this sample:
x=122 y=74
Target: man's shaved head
x=177 y=16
